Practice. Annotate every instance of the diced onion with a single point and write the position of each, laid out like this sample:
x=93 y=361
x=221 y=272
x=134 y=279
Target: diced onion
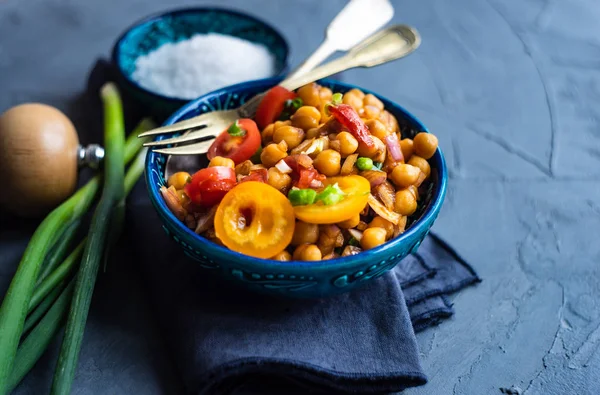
x=316 y=184
x=348 y=164
x=393 y=146
x=380 y=209
x=357 y=234
x=206 y=220
x=315 y=147
x=375 y=177
x=283 y=167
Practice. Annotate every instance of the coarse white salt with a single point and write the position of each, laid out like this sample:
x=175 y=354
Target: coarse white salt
x=204 y=62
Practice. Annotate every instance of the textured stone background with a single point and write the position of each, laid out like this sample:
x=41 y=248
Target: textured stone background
x=512 y=89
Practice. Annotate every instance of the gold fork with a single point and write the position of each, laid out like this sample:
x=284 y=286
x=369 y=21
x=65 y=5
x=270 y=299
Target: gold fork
x=389 y=44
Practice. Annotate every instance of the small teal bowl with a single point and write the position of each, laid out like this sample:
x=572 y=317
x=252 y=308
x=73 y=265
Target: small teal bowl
x=295 y=278
x=150 y=33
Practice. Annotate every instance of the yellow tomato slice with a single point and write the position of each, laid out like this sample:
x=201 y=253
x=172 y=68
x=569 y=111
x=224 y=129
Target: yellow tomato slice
x=255 y=219
x=356 y=189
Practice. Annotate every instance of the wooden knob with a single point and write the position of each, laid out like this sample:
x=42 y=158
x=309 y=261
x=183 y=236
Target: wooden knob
x=38 y=159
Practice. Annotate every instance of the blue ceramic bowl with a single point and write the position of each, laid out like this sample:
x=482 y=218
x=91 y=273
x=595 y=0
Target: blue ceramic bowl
x=149 y=33
x=295 y=278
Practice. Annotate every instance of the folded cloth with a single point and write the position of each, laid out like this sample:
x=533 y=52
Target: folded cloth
x=427 y=276
x=227 y=340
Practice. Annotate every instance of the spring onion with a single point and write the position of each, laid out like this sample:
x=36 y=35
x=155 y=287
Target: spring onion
x=16 y=301
x=59 y=274
x=336 y=98
x=34 y=345
x=236 y=130
x=289 y=108
x=332 y=194
x=60 y=250
x=302 y=197
x=112 y=194
x=378 y=165
x=28 y=355
x=364 y=163
x=42 y=308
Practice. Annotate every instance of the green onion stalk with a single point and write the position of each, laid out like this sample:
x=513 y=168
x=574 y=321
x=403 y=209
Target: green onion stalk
x=16 y=301
x=15 y=304
x=32 y=348
x=112 y=194
x=59 y=251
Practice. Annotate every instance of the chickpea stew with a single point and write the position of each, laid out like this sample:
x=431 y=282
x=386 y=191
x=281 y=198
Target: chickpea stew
x=315 y=175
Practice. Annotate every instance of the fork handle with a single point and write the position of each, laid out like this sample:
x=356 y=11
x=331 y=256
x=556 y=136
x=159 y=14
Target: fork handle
x=390 y=44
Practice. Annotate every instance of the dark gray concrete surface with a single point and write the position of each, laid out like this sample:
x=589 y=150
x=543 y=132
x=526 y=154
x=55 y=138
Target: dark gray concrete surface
x=512 y=89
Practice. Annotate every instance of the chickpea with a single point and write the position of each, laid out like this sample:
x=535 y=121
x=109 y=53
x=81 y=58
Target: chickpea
x=405 y=175
x=220 y=161
x=371 y=112
x=352 y=99
x=325 y=93
x=179 y=179
x=309 y=94
x=379 y=222
x=267 y=134
x=350 y=223
x=305 y=233
x=389 y=121
x=373 y=237
x=357 y=92
x=371 y=100
x=279 y=124
x=272 y=154
x=375 y=152
x=283 y=256
x=278 y=180
x=406 y=203
x=306 y=117
x=291 y=135
x=421 y=164
x=307 y=252
x=348 y=143
x=425 y=144
x=407 y=147
x=377 y=129
x=328 y=162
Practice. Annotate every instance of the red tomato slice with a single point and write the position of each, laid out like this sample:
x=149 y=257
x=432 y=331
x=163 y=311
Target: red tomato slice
x=306 y=177
x=214 y=191
x=237 y=148
x=208 y=186
x=302 y=171
x=347 y=116
x=259 y=175
x=271 y=105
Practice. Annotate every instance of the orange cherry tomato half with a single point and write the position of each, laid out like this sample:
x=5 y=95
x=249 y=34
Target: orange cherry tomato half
x=208 y=186
x=356 y=189
x=237 y=148
x=255 y=219
x=271 y=105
